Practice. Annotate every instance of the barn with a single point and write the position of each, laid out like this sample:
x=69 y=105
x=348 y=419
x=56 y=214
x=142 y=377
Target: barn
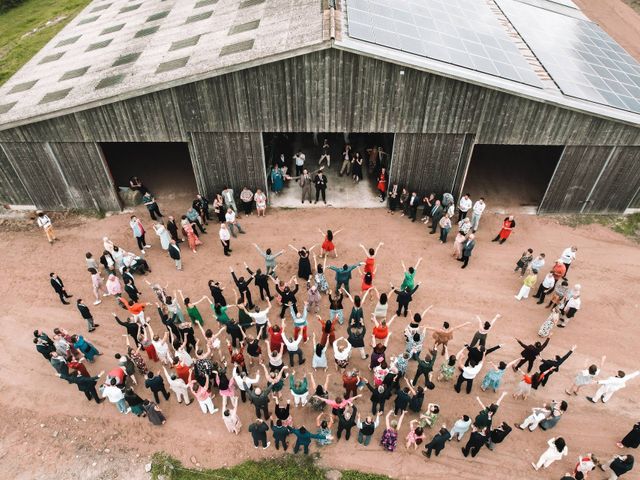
x=522 y=99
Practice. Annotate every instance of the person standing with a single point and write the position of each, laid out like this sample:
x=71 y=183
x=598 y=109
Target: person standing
x=436 y=214
x=467 y=247
x=87 y=385
x=44 y=222
x=246 y=197
x=508 y=224
x=162 y=234
x=497 y=435
x=280 y=434
x=413 y=204
x=438 y=442
x=464 y=205
x=366 y=428
x=530 y=353
x=156 y=385
x=258 y=431
x=618 y=466
x=305 y=181
x=545 y=288
x=478 y=209
x=138 y=233
x=299 y=159
x=115 y=395
x=382 y=184
x=86 y=314
x=343 y=275
x=228 y=199
x=260 y=400
x=404 y=297
x=201 y=205
x=58 y=287
x=225 y=239
x=568 y=257
x=631 y=439
x=320 y=181
x=152 y=206
x=304 y=437
x=326 y=153
x=345 y=168
x=557 y=449
x=611 y=385
x=174 y=253
x=528 y=282
x=476 y=441
x=445 y=226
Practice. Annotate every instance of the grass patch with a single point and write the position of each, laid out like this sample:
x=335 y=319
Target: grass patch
x=19 y=42
x=627 y=225
x=285 y=468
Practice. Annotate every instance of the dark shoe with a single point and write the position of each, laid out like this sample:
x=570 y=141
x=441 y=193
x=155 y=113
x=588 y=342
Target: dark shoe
x=65 y=303
x=591 y=400
x=464 y=452
x=463 y=266
x=539 y=303
x=227 y=254
x=302 y=361
x=426 y=454
x=96 y=325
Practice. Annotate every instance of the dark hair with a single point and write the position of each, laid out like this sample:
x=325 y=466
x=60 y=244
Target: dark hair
x=560 y=444
x=564 y=405
x=436 y=409
x=593 y=369
x=419 y=431
x=302 y=430
x=452 y=360
x=465 y=418
x=268 y=251
x=530 y=250
x=383 y=298
x=324 y=424
x=416 y=337
x=372 y=251
x=357 y=301
x=411 y=270
x=621 y=374
x=279 y=422
x=579 y=476
x=487 y=325
x=329 y=235
x=319 y=348
x=327 y=326
x=319 y=388
x=502 y=365
x=88 y=255
x=445 y=324
x=149 y=374
x=117 y=356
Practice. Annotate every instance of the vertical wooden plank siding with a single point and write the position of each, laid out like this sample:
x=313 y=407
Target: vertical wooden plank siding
x=12 y=190
x=618 y=183
x=574 y=178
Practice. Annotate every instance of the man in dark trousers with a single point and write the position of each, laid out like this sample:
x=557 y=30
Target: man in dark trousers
x=131 y=289
x=497 y=435
x=303 y=439
x=201 y=205
x=467 y=248
x=438 y=442
x=280 y=434
x=133 y=329
x=379 y=395
x=346 y=421
x=156 y=385
x=86 y=314
x=87 y=385
x=404 y=298
x=437 y=212
x=476 y=441
x=173 y=229
x=243 y=289
x=551 y=366
x=58 y=287
x=320 y=181
x=288 y=298
x=414 y=202
x=260 y=400
x=174 y=253
x=258 y=430
x=530 y=353
x=261 y=281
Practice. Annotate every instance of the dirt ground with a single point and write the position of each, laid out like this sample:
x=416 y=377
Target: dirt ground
x=50 y=431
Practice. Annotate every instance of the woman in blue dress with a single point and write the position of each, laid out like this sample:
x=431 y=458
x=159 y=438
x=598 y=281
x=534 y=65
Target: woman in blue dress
x=87 y=349
x=277 y=179
x=493 y=378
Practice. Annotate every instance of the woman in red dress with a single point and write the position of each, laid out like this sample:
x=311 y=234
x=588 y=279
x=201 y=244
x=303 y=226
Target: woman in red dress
x=327 y=245
x=382 y=184
x=370 y=261
x=507 y=227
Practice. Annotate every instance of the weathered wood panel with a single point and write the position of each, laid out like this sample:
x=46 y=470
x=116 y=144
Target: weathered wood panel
x=463 y=165
x=12 y=190
x=426 y=162
x=574 y=178
x=89 y=183
x=618 y=182
x=233 y=159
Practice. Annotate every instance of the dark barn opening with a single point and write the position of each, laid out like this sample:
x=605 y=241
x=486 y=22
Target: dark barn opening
x=341 y=190
x=164 y=167
x=510 y=176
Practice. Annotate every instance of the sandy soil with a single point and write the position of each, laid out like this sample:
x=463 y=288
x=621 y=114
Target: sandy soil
x=33 y=396
x=618 y=19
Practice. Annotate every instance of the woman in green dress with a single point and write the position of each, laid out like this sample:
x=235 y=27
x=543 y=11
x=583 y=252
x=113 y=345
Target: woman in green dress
x=192 y=309
x=409 y=275
x=220 y=311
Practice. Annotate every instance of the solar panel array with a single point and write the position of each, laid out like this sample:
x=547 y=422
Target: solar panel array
x=460 y=32
x=581 y=58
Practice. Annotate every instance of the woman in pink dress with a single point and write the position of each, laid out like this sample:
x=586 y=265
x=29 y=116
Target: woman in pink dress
x=192 y=238
x=98 y=288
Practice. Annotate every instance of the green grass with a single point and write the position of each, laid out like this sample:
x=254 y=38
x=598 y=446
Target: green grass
x=16 y=47
x=285 y=468
x=627 y=225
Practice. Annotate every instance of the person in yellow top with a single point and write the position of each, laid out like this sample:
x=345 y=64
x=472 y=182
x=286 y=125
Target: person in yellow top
x=529 y=281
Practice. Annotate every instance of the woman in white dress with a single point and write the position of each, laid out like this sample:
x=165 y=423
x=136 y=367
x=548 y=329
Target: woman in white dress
x=163 y=233
x=231 y=419
x=557 y=449
x=319 y=355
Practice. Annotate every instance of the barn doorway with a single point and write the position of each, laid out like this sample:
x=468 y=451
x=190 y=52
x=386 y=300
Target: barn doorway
x=164 y=168
x=342 y=191
x=511 y=178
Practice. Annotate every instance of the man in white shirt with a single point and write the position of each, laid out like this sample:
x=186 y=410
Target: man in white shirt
x=478 y=208
x=178 y=386
x=299 y=159
x=232 y=222
x=611 y=385
x=464 y=205
x=568 y=256
x=225 y=239
x=260 y=317
x=468 y=374
x=545 y=287
x=115 y=395
x=293 y=347
x=244 y=382
x=44 y=222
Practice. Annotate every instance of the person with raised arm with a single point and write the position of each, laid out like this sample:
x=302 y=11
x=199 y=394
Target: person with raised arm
x=328 y=245
x=319 y=277
x=269 y=259
x=480 y=336
x=370 y=260
x=409 y=275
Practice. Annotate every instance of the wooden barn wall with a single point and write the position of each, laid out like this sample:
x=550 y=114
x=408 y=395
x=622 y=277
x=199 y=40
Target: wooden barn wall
x=574 y=178
x=233 y=159
x=618 y=182
x=12 y=190
x=426 y=162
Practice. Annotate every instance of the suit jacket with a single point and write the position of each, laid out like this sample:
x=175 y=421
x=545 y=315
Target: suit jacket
x=174 y=252
x=467 y=247
x=56 y=283
x=437 y=212
x=321 y=181
x=84 y=310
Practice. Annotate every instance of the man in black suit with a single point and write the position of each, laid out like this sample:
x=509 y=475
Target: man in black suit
x=174 y=253
x=436 y=214
x=86 y=385
x=86 y=314
x=172 y=228
x=467 y=248
x=320 y=181
x=58 y=286
x=414 y=201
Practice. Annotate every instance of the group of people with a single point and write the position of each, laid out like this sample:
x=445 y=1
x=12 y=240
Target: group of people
x=261 y=318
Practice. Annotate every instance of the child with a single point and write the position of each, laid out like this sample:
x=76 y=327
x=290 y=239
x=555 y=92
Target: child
x=525 y=259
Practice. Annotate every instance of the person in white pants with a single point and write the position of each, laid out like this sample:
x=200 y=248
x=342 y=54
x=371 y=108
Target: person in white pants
x=178 y=386
x=478 y=209
x=528 y=282
x=611 y=385
x=203 y=396
x=557 y=449
x=299 y=389
x=462 y=426
x=537 y=415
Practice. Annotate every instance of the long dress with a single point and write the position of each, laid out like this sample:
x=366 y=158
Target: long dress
x=507 y=228
x=154 y=415
x=382 y=183
x=304 y=265
x=409 y=280
x=492 y=379
x=389 y=439
x=277 y=181
x=192 y=238
x=357 y=168
x=549 y=323
x=632 y=439
x=232 y=422
x=194 y=314
x=165 y=237
x=320 y=361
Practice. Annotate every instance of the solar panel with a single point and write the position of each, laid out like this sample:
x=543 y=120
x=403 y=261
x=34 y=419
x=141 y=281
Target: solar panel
x=580 y=57
x=460 y=32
